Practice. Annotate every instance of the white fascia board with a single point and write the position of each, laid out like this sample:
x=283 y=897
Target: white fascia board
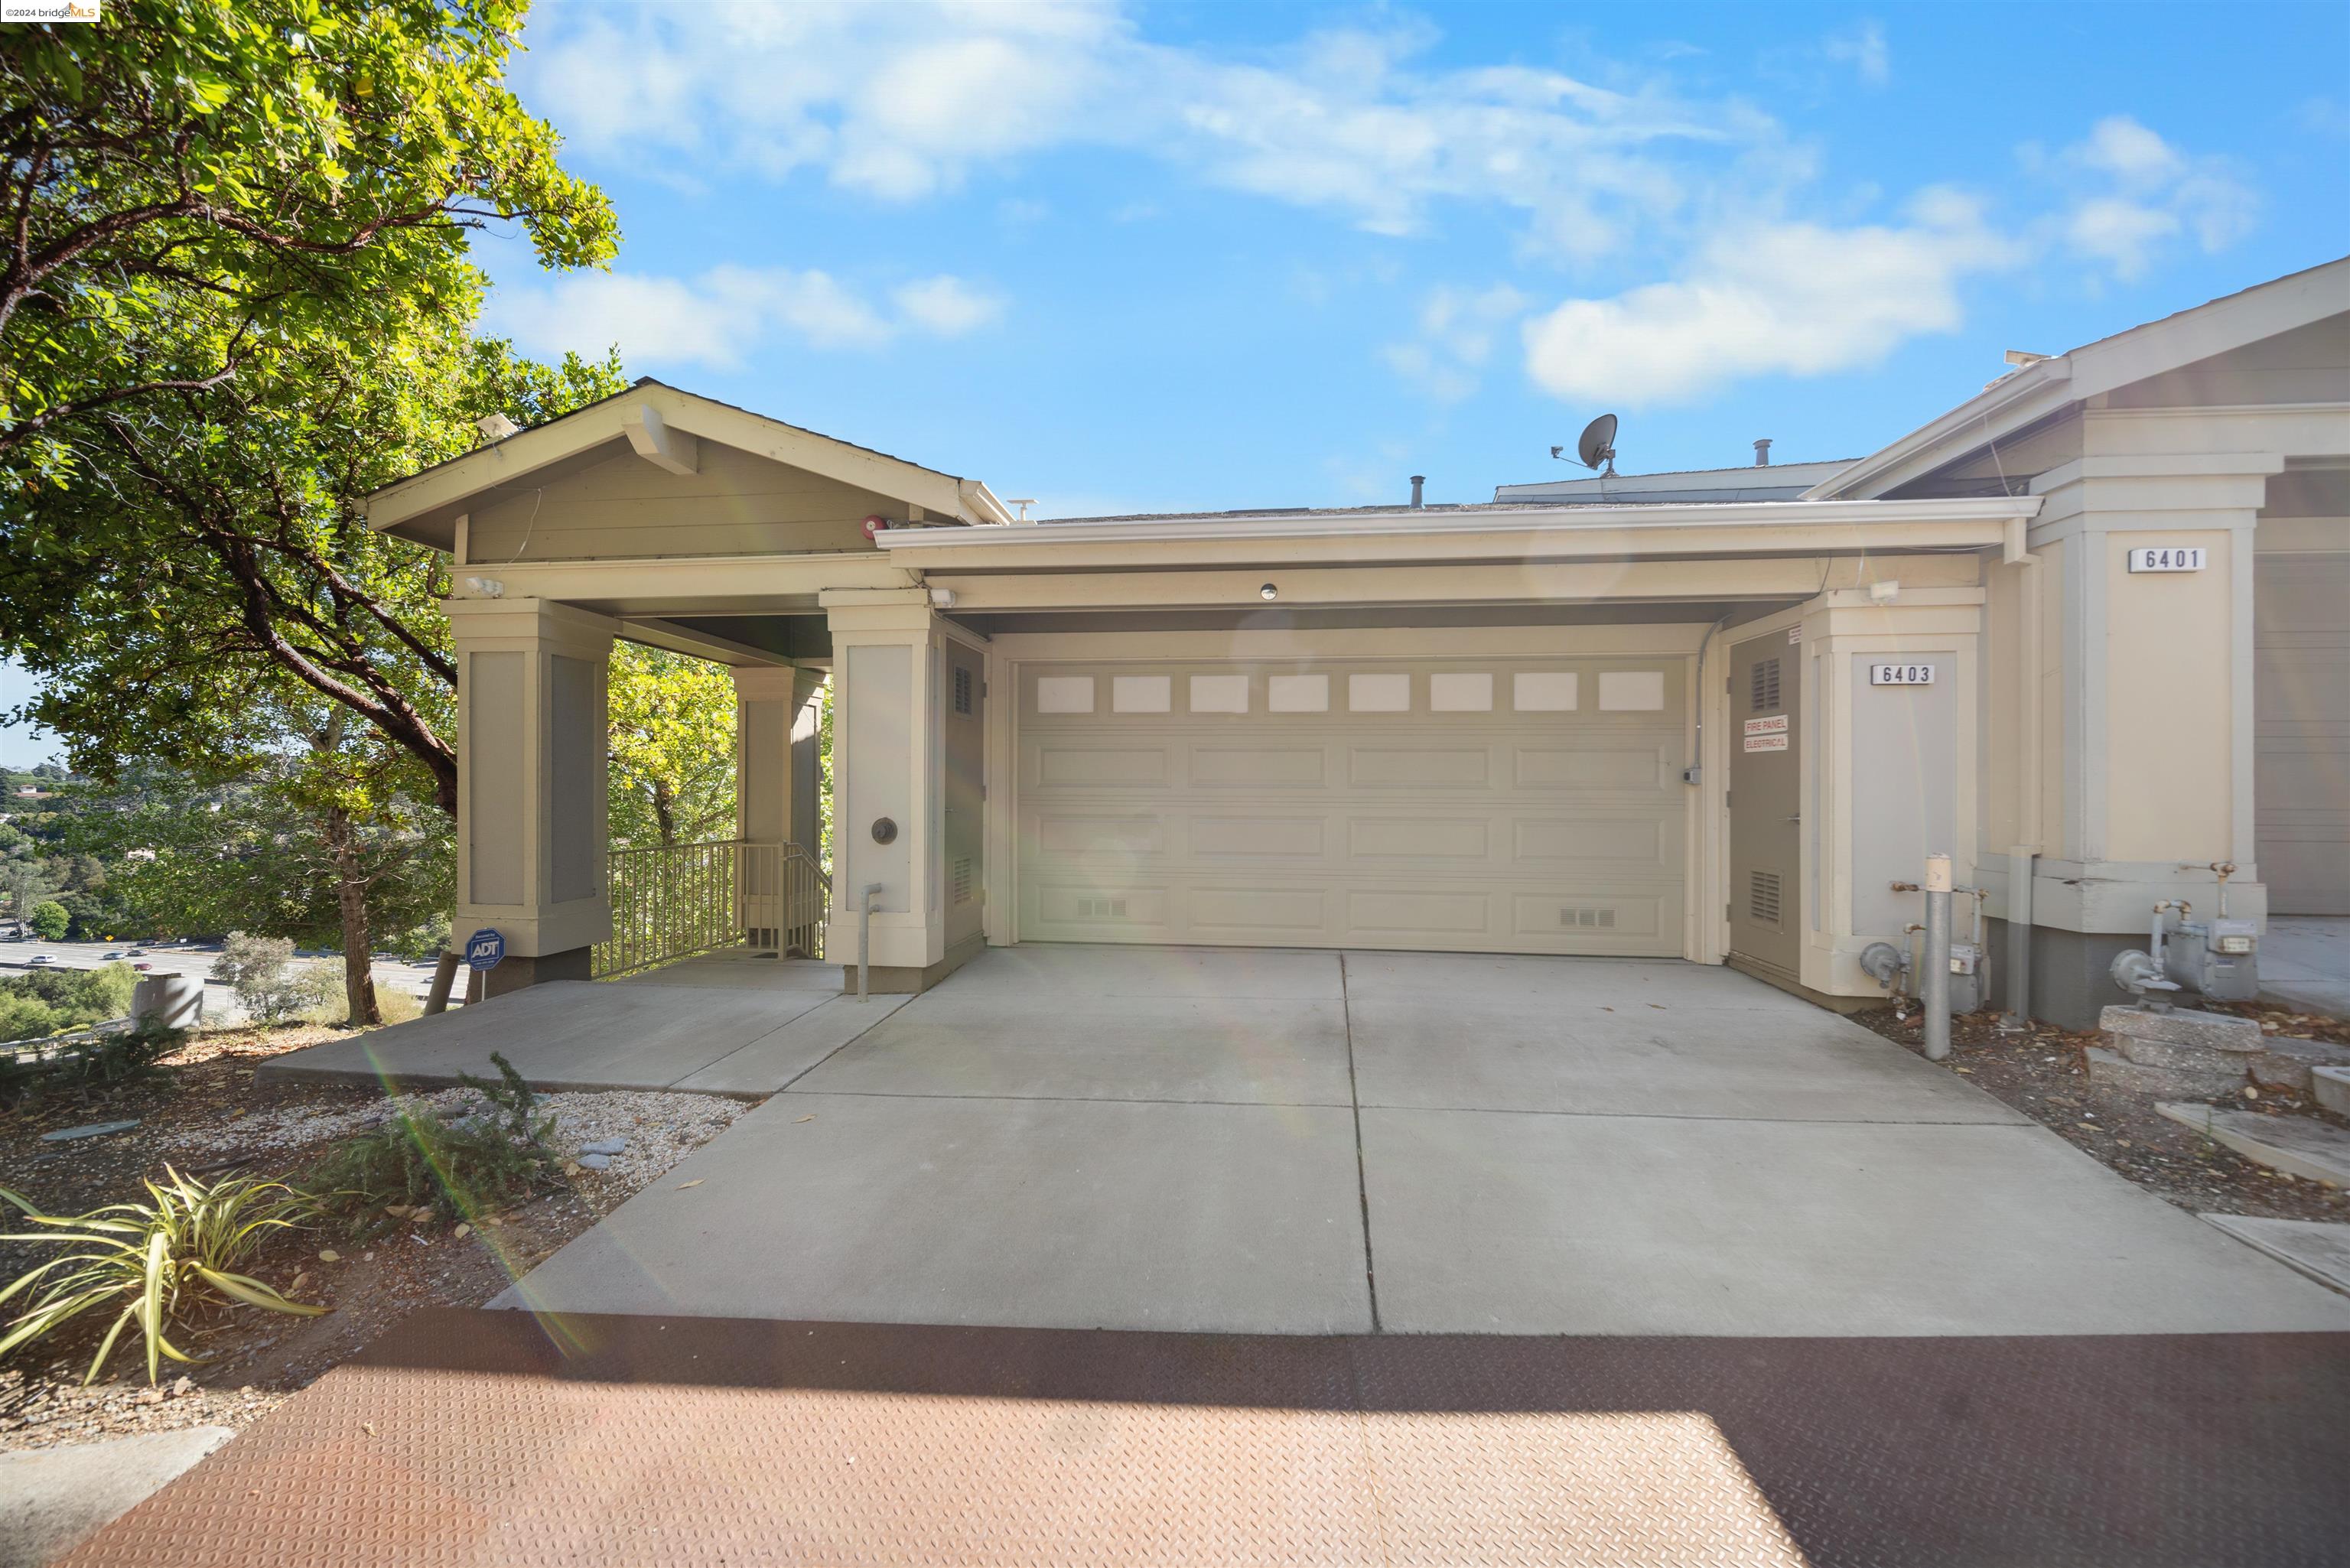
x=452 y=483
x=1763 y=516
x=2006 y=404
x=2094 y=368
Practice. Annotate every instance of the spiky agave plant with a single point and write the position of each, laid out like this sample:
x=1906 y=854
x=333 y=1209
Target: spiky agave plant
x=163 y=1259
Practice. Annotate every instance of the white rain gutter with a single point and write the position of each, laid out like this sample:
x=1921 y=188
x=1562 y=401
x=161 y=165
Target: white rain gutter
x=1763 y=516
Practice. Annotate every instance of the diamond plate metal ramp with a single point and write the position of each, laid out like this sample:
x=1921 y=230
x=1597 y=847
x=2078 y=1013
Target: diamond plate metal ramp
x=493 y=1438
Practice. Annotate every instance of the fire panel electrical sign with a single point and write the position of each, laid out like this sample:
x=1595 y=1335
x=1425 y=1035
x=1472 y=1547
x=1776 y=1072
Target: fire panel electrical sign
x=2166 y=558
x=1767 y=734
x=1900 y=675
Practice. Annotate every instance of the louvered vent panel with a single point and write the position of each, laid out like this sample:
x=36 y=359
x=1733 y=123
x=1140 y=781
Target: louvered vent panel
x=1601 y=918
x=1766 y=685
x=962 y=690
x=962 y=880
x=1762 y=897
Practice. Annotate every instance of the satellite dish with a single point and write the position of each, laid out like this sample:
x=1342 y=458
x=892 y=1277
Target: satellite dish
x=1598 y=444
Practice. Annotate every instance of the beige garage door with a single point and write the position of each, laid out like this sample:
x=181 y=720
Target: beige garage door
x=1477 y=806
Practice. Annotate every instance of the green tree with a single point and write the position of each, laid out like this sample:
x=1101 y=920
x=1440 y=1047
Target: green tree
x=26 y=884
x=195 y=185
x=49 y=920
x=673 y=748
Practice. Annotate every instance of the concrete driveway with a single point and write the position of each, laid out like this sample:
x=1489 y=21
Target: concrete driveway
x=1315 y=1142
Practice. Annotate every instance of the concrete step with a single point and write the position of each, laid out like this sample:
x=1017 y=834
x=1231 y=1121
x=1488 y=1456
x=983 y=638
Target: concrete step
x=2198 y=1077
x=2318 y=1249
x=2291 y=1144
x=2182 y=1026
x=2287 y=1063
x=2330 y=1087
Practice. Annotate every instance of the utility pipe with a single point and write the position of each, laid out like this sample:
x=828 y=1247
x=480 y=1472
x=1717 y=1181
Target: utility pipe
x=1934 y=983
x=864 y=940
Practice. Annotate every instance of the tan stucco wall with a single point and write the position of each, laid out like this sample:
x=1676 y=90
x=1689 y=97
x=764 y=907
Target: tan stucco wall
x=2168 y=704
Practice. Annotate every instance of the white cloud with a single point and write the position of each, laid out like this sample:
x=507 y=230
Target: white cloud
x=1456 y=336
x=947 y=306
x=2133 y=192
x=1785 y=298
x=1864 y=49
x=720 y=316
x=900 y=101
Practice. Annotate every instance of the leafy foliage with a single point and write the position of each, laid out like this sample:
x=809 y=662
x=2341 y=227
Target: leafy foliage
x=673 y=748
x=50 y=921
x=43 y=1001
x=268 y=983
x=83 y=1066
x=165 y=1262
x=196 y=184
x=493 y=1154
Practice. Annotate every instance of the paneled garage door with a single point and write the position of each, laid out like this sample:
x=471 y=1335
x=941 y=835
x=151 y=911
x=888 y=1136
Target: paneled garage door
x=1474 y=805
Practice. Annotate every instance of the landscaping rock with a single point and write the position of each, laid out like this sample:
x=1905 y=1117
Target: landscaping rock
x=2182 y=1026
x=619 y=1145
x=2282 y=1064
x=2196 y=1079
x=2330 y=1087
x=596 y=1161
x=2295 y=1145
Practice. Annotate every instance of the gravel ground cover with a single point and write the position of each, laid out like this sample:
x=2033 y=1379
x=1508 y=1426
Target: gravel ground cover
x=2043 y=1074
x=204 y=1113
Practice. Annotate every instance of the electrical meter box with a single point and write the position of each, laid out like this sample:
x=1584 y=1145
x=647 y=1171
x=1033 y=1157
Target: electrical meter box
x=2218 y=957
x=1966 y=976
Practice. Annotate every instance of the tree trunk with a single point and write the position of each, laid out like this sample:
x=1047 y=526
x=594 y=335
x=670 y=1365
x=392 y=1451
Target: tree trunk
x=351 y=901
x=664 y=812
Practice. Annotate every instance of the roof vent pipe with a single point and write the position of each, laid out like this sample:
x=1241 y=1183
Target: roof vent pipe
x=1417 y=481
x=1762 y=452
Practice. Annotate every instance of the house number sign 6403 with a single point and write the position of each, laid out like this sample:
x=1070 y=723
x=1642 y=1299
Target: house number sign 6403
x=1900 y=675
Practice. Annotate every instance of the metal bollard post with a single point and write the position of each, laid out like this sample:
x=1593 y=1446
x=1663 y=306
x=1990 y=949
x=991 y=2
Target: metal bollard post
x=1934 y=984
x=865 y=938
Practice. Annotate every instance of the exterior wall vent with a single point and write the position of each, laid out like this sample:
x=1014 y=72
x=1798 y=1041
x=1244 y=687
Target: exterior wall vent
x=1101 y=909
x=1762 y=897
x=962 y=691
x=1601 y=919
x=1766 y=685
x=962 y=880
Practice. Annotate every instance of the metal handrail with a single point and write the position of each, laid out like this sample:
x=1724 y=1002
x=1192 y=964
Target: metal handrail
x=672 y=901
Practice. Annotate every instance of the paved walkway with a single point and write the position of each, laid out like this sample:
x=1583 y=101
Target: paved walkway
x=722 y=1025
x=477 y=1439
x=1309 y=1143
x=2305 y=963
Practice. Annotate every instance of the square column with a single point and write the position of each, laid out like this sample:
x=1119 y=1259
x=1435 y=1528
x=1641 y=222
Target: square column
x=1890 y=771
x=531 y=774
x=774 y=798
x=888 y=805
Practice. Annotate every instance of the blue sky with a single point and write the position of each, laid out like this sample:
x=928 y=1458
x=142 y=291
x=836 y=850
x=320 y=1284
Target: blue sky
x=1202 y=256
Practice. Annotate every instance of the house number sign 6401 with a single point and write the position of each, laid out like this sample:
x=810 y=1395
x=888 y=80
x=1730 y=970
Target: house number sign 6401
x=2166 y=558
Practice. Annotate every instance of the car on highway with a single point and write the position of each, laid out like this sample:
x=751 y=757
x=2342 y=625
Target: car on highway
x=39 y=960
x=143 y=966
x=116 y=954
x=134 y=953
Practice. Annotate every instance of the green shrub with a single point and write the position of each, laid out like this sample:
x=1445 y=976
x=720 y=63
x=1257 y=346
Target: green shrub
x=268 y=984
x=164 y=1262
x=50 y=921
x=23 y=1017
x=100 y=1063
x=73 y=996
x=492 y=1154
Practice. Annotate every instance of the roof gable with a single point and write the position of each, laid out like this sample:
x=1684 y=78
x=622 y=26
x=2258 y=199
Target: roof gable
x=664 y=426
